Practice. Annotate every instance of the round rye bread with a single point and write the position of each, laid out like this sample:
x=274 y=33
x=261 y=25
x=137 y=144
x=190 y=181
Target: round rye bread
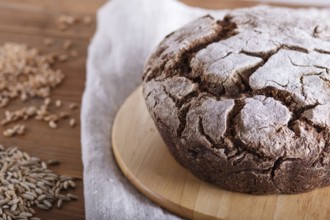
x=244 y=102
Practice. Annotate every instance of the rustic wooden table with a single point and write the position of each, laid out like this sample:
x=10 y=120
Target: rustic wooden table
x=30 y=22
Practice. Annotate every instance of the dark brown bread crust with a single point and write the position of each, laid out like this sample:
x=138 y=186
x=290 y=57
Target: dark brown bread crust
x=245 y=102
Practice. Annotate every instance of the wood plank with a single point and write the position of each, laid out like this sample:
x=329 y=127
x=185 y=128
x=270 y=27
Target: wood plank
x=42 y=27
x=40 y=19
x=61 y=6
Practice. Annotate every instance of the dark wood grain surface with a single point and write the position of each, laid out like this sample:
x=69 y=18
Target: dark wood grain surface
x=30 y=22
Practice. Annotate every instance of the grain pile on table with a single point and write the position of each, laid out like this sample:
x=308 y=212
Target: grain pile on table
x=24 y=73
x=28 y=183
x=27 y=74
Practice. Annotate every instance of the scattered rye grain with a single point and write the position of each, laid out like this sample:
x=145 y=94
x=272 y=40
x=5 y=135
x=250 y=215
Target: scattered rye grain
x=66 y=185
x=31 y=210
x=42 y=197
x=63 y=197
x=59 y=203
x=47 y=203
x=26 y=182
x=42 y=206
x=64 y=115
x=71 y=183
x=71 y=196
x=53 y=162
x=25 y=214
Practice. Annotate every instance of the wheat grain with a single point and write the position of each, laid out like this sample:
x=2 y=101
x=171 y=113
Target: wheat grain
x=67 y=44
x=73 y=106
x=25 y=73
x=58 y=103
x=72 y=122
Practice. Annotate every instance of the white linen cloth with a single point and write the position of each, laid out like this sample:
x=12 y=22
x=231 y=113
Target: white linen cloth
x=127 y=32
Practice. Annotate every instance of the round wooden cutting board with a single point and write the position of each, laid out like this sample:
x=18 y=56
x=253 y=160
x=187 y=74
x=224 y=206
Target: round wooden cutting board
x=146 y=162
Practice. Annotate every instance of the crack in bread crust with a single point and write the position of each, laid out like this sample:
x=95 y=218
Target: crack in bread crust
x=248 y=97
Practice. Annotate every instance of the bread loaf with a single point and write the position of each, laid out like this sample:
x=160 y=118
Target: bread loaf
x=244 y=102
